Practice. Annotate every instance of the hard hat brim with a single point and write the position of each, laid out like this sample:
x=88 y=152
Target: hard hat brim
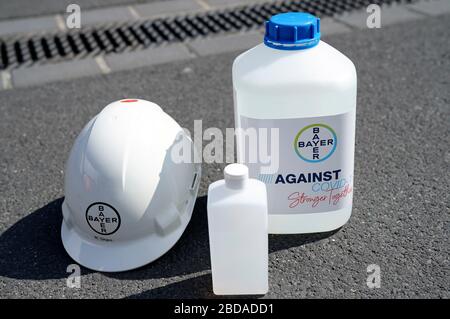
x=116 y=257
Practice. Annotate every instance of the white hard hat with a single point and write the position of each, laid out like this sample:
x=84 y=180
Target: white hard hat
x=127 y=201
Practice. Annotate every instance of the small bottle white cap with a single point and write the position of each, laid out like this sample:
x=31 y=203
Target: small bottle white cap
x=235 y=175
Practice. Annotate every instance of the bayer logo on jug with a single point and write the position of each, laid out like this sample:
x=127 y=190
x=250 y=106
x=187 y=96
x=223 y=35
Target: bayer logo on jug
x=315 y=143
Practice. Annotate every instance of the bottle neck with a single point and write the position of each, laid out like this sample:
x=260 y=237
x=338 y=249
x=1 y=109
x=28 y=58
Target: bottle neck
x=236 y=183
x=236 y=176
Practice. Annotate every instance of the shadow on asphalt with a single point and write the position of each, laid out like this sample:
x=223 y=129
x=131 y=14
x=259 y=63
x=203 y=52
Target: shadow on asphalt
x=282 y=242
x=196 y=287
x=32 y=249
x=189 y=255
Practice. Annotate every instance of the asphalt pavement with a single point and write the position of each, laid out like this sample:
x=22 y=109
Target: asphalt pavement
x=401 y=211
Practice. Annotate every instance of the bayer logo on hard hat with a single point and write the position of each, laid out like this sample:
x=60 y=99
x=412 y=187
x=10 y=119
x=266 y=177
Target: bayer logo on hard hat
x=103 y=218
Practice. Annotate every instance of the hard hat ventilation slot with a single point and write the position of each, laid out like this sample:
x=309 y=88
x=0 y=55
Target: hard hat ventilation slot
x=194 y=181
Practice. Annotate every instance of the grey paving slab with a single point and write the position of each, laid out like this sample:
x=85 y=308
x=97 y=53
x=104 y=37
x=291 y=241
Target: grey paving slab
x=28 y=25
x=226 y=43
x=433 y=8
x=216 y=4
x=163 y=8
x=54 y=72
x=329 y=26
x=104 y=15
x=389 y=15
x=25 y=8
x=400 y=214
x=147 y=57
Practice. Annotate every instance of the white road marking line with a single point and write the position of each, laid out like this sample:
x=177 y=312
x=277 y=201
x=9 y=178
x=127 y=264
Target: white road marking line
x=60 y=22
x=6 y=80
x=134 y=13
x=102 y=64
x=204 y=4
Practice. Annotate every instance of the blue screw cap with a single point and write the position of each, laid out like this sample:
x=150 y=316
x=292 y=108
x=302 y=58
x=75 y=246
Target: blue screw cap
x=292 y=31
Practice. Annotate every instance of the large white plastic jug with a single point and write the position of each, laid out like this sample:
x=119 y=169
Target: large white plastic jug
x=306 y=89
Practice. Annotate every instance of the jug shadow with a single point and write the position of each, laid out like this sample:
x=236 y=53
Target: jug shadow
x=201 y=286
x=32 y=249
x=196 y=287
x=279 y=242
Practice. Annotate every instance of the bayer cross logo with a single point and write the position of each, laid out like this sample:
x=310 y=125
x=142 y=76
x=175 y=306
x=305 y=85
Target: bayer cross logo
x=103 y=218
x=315 y=143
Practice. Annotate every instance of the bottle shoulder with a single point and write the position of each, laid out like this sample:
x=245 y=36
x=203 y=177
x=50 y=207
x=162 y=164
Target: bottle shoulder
x=262 y=66
x=253 y=194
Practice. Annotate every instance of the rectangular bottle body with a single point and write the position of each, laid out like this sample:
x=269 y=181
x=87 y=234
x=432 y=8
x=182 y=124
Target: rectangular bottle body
x=239 y=246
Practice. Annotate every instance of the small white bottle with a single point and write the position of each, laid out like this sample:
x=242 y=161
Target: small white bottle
x=304 y=88
x=238 y=237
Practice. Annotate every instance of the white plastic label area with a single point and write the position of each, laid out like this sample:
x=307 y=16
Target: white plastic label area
x=306 y=89
x=324 y=146
x=238 y=238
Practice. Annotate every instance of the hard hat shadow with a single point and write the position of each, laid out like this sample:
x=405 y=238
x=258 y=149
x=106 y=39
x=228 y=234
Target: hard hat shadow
x=32 y=247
